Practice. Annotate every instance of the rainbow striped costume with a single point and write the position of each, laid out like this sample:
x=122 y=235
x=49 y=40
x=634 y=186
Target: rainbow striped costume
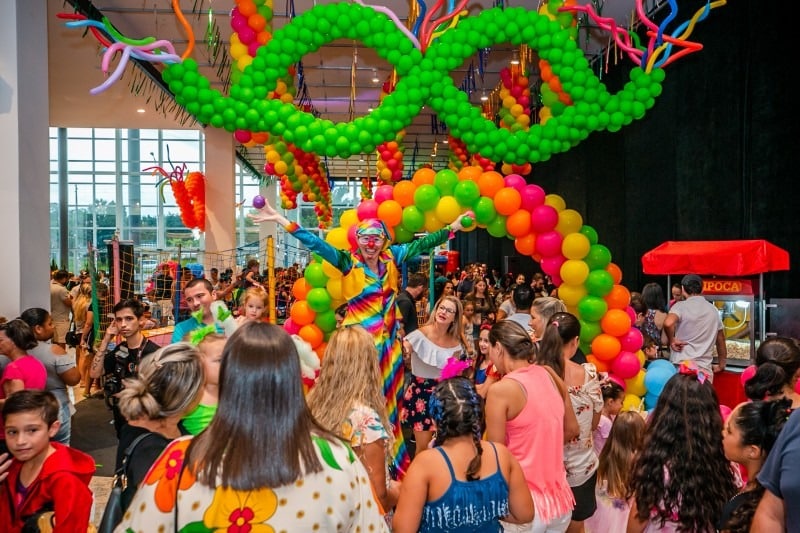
x=370 y=300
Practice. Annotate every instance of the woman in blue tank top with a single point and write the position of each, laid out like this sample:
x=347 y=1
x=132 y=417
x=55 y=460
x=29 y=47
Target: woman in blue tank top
x=464 y=483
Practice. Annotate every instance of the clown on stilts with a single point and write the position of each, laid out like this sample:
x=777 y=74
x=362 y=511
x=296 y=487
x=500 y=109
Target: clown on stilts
x=370 y=283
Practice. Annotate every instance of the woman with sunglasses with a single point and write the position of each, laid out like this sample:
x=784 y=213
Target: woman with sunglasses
x=370 y=286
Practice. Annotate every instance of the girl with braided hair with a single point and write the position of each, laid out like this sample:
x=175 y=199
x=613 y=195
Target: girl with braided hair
x=463 y=483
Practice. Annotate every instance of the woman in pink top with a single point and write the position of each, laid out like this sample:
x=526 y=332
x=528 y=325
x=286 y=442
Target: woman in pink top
x=534 y=428
x=24 y=371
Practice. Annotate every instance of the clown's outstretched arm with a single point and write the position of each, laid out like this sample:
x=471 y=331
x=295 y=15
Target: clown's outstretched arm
x=404 y=252
x=337 y=258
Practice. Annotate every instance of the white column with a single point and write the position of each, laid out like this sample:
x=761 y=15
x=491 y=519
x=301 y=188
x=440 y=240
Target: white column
x=220 y=190
x=24 y=151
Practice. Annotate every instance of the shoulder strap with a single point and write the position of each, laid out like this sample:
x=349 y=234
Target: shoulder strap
x=129 y=450
x=447 y=460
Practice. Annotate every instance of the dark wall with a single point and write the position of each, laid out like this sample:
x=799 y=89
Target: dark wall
x=713 y=160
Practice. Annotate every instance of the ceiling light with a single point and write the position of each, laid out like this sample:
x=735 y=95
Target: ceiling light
x=375 y=78
x=370 y=110
x=445 y=141
x=515 y=57
x=361 y=170
x=140 y=110
x=361 y=159
x=484 y=96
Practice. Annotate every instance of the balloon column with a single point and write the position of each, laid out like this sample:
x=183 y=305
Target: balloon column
x=515 y=110
x=189 y=193
x=390 y=154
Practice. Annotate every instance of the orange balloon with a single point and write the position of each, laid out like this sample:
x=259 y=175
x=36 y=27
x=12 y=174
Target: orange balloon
x=403 y=192
x=300 y=289
x=470 y=173
x=618 y=298
x=391 y=212
x=301 y=314
x=311 y=334
x=490 y=182
x=247 y=7
x=604 y=347
x=615 y=322
x=599 y=364
x=615 y=271
x=526 y=244
x=424 y=176
x=508 y=201
x=518 y=224
x=320 y=350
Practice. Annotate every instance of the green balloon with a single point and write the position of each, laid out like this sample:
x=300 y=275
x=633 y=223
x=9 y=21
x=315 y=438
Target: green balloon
x=599 y=283
x=402 y=235
x=589 y=330
x=445 y=181
x=326 y=320
x=592 y=308
x=466 y=193
x=315 y=276
x=413 y=219
x=319 y=300
x=497 y=227
x=590 y=233
x=485 y=212
x=598 y=258
x=426 y=197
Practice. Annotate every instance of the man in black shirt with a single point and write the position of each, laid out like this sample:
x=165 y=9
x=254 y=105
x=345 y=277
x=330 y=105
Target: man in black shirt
x=407 y=300
x=163 y=288
x=117 y=362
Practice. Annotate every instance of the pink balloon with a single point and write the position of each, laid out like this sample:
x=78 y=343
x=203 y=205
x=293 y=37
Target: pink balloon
x=632 y=341
x=532 y=196
x=618 y=380
x=748 y=373
x=383 y=193
x=516 y=181
x=543 y=218
x=632 y=313
x=626 y=365
x=556 y=279
x=367 y=209
x=351 y=236
x=549 y=243
x=242 y=136
x=253 y=47
x=552 y=265
x=523 y=100
x=238 y=21
x=725 y=411
x=246 y=35
x=290 y=327
x=516 y=91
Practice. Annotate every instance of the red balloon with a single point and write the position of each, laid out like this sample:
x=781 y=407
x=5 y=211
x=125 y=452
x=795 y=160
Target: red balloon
x=367 y=209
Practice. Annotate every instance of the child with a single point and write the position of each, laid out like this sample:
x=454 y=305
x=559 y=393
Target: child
x=43 y=475
x=620 y=449
x=254 y=304
x=479 y=479
x=485 y=373
x=681 y=479
x=650 y=348
x=211 y=347
x=749 y=433
x=613 y=395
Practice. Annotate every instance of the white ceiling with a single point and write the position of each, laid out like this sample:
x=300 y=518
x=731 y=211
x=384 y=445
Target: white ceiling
x=75 y=58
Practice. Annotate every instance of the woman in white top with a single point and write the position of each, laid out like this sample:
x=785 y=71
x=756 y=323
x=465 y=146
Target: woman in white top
x=430 y=347
x=558 y=344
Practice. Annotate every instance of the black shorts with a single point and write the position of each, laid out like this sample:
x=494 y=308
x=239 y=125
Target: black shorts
x=585 y=500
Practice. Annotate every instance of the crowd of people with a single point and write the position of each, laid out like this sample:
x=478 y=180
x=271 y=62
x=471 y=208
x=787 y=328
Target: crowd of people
x=499 y=422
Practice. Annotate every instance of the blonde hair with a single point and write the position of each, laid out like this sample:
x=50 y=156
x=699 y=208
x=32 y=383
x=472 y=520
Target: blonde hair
x=167 y=383
x=456 y=329
x=614 y=462
x=349 y=376
x=256 y=292
x=211 y=338
x=82 y=303
x=547 y=306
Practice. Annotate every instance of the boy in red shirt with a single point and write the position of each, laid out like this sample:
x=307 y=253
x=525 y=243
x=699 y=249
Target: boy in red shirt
x=43 y=475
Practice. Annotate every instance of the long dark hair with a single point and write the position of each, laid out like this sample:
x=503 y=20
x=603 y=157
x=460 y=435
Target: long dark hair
x=653 y=297
x=34 y=316
x=681 y=469
x=261 y=435
x=456 y=409
x=759 y=423
x=20 y=333
x=562 y=328
x=513 y=337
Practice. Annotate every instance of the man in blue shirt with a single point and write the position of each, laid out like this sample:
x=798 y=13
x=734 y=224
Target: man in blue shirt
x=199 y=294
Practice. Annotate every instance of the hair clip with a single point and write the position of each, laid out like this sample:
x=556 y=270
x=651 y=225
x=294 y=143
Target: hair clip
x=690 y=368
x=454 y=367
x=197 y=335
x=555 y=323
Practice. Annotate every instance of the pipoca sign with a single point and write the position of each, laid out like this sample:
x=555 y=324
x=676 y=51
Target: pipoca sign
x=727 y=286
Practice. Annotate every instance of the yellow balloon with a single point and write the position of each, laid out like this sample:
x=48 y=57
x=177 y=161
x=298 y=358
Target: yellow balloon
x=334 y=287
x=635 y=385
x=243 y=62
x=524 y=121
x=287 y=98
x=574 y=272
x=575 y=245
x=641 y=357
x=571 y=294
x=556 y=202
x=331 y=271
x=238 y=50
x=632 y=403
x=569 y=221
x=337 y=238
x=348 y=218
x=432 y=223
x=447 y=210
x=516 y=110
x=273 y=156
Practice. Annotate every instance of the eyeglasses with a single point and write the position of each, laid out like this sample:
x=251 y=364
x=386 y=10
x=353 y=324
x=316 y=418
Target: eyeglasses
x=448 y=310
x=370 y=239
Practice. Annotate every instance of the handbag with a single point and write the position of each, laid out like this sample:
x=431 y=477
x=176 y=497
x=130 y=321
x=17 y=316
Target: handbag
x=112 y=514
x=72 y=338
